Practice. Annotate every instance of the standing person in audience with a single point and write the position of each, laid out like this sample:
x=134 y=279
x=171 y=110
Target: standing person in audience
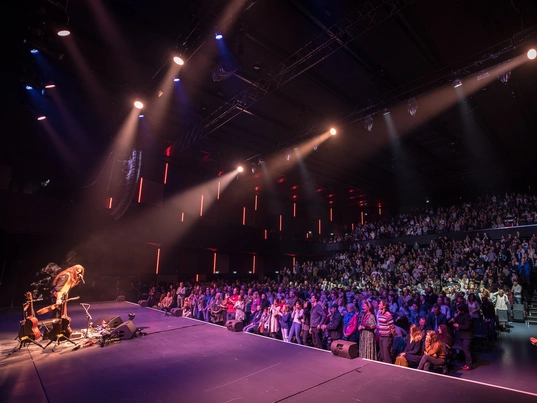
x=464 y=328
x=240 y=307
x=334 y=327
x=385 y=326
x=296 y=322
x=473 y=307
x=350 y=324
x=436 y=318
x=434 y=353
x=306 y=337
x=317 y=318
x=367 y=327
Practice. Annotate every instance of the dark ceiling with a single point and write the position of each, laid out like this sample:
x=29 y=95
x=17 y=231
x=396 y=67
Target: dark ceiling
x=322 y=63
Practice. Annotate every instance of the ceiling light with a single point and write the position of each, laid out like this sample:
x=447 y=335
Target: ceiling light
x=29 y=87
x=240 y=168
x=288 y=155
x=368 y=123
x=333 y=131
x=457 y=83
x=254 y=168
x=34 y=51
x=218 y=36
x=138 y=104
x=256 y=66
x=178 y=60
x=412 y=106
x=41 y=118
x=141 y=115
x=531 y=54
x=64 y=32
x=50 y=85
x=176 y=79
x=385 y=111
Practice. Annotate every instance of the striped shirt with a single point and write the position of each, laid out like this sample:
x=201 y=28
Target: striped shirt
x=384 y=323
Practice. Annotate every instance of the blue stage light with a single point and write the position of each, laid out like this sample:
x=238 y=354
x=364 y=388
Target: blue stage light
x=29 y=87
x=218 y=36
x=34 y=51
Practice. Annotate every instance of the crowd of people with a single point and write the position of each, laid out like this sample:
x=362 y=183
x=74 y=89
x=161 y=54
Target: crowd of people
x=488 y=212
x=414 y=305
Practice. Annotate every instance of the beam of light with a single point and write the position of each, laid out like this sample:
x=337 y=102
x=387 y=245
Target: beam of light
x=158 y=261
x=166 y=173
x=140 y=189
x=65 y=153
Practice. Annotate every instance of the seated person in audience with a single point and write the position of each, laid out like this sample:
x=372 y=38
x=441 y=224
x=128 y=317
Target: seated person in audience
x=413 y=349
x=255 y=320
x=434 y=352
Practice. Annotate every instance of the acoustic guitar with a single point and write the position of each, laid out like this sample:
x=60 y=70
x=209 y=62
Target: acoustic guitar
x=29 y=323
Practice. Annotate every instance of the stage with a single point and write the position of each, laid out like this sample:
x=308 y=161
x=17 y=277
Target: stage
x=181 y=359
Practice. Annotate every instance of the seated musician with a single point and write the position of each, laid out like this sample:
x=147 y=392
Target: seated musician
x=63 y=282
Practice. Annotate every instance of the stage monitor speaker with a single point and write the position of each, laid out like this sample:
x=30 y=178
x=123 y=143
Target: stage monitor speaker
x=177 y=311
x=112 y=321
x=345 y=349
x=235 y=325
x=125 y=331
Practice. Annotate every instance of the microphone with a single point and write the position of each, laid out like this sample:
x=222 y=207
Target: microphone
x=81 y=278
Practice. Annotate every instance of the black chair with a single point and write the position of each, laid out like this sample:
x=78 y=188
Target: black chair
x=481 y=333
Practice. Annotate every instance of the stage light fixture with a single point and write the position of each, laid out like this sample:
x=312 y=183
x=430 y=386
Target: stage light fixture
x=254 y=168
x=504 y=78
x=288 y=155
x=412 y=106
x=64 y=32
x=333 y=131
x=34 y=51
x=532 y=53
x=316 y=147
x=141 y=115
x=256 y=66
x=41 y=118
x=29 y=87
x=176 y=79
x=240 y=169
x=218 y=36
x=178 y=60
x=368 y=123
x=50 y=85
x=385 y=111
x=457 y=83
x=138 y=104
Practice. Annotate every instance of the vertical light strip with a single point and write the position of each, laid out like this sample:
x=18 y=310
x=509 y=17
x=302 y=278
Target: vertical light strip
x=319 y=227
x=253 y=264
x=294 y=209
x=109 y=202
x=218 y=192
x=197 y=277
x=380 y=210
x=307 y=235
x=352 y=226
x=140 y=190
x=255 y=203
x=294 y=261
x=330 y=214
x=166 y=173
x=281 y=222
x=362 y=217
x=158 y=261
x=201 y=206
x=182 y=217
x=266 y=234
x=244 y=216
x=214 y=263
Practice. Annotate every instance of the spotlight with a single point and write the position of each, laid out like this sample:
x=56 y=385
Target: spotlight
x=368 y=123
x=504 y=78
x=34 y=51
x=412 y=106
x=531 y=54
x=218 y=36
x=254 y=168
x=138 y=104
x=41 y=118
x=288 y=155
x=140 y=115
x=29 y=87
x=178 y=60
x=333 y=131
x=385 y=111
x=176 y=79
x=256 y=66
x=457 y=83
x=50 y=85
x=64 y=32
x=240 y=169
x=316 y=147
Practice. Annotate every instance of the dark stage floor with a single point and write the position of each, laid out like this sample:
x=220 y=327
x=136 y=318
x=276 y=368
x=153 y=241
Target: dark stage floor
x=185 y=360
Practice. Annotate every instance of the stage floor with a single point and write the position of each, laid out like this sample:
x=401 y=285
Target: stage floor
x=186 y=360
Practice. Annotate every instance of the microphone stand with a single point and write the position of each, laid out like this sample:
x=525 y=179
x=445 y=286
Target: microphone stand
x=88 y=319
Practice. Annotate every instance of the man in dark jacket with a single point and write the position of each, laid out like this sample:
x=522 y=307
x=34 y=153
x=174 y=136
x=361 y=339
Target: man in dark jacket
x=464 y=332
x=436 y=318
x=335 y=325
x=317 y=318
